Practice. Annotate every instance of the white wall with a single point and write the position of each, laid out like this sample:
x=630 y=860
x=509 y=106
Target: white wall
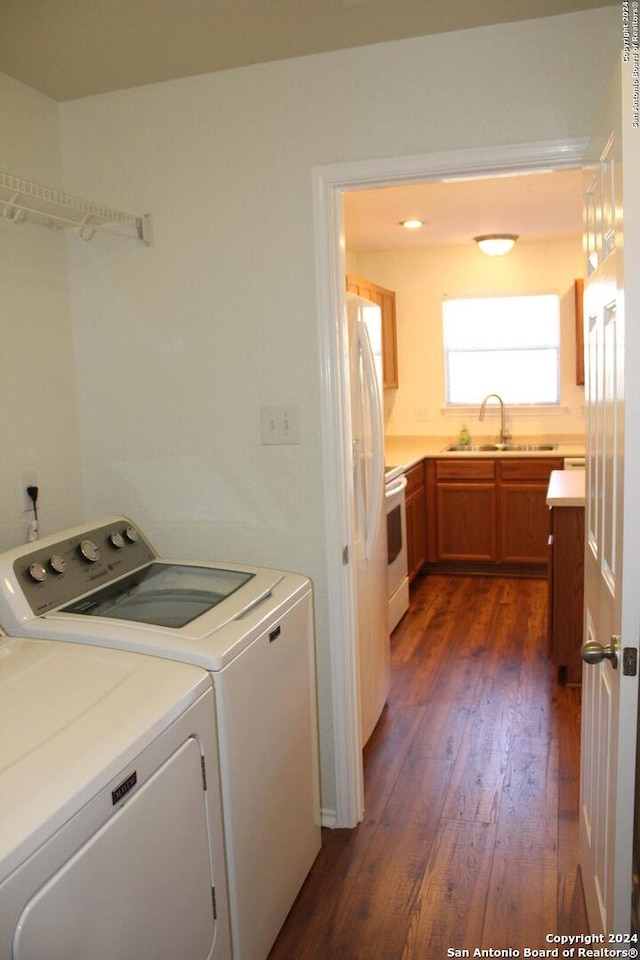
x=180 y=344
x=422 y=278
x=37 y=391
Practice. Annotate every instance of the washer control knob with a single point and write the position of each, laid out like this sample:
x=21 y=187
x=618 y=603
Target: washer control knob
x=37 y=572
x=116 y=540
x=57 y=563
x=89 y=551
x=131 y=534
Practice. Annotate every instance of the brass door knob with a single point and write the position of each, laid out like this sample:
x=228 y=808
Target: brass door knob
x=593 y=652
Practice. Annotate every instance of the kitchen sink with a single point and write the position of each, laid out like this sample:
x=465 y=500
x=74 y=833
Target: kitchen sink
x=531 y=446
x=458 y=448
x=501 y=447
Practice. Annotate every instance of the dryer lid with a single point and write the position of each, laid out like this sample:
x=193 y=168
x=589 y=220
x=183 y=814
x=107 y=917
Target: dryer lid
x=71 y=717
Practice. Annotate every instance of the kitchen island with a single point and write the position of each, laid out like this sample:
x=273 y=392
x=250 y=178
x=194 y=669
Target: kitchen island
x=566 y=500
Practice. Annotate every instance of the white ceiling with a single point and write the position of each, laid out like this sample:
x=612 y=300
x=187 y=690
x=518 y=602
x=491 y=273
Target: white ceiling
x=533 y=206
x=74 y=48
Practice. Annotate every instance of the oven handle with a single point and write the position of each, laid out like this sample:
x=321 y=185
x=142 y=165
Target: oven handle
x=395 y=487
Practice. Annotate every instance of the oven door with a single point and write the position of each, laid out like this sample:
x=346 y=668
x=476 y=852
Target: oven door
x=397 y=566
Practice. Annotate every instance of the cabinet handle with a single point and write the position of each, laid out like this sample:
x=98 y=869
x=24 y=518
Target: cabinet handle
x=550 y=540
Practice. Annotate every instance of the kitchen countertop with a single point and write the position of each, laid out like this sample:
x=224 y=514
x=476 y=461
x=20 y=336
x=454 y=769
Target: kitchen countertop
x=566 y=488
x=402 y=453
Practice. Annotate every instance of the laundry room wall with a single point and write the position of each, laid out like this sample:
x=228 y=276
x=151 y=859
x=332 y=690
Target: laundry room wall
x=179 y=345
x=39 y=439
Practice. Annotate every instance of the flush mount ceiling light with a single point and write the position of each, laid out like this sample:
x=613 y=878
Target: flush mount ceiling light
x=412 y=224
x=496 y=244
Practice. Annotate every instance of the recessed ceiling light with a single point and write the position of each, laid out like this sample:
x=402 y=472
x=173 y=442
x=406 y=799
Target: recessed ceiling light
x=412 y=224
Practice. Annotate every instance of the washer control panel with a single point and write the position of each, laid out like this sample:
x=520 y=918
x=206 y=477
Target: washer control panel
x=59 y=573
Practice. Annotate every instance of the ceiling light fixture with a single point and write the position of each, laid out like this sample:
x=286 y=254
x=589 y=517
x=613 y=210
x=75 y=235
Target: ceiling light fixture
x=496 y=244
x=412 y=224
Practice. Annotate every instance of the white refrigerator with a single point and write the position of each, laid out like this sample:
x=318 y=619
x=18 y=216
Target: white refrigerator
x=370 y=528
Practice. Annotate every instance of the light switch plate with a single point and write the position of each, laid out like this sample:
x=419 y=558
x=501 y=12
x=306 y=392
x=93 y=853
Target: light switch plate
x=280 y=423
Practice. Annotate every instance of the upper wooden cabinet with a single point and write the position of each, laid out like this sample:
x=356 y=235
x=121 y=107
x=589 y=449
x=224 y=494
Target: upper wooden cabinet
x=386 y=300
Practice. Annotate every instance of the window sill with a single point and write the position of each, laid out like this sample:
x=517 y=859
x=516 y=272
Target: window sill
x=511 y=410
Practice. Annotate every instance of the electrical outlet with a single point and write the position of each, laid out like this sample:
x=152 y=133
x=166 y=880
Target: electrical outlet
x=280 y=423
x=422 y=413
x=28 y=480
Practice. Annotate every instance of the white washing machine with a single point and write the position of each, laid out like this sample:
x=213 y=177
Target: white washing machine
x=111 y=847
x=252 y=629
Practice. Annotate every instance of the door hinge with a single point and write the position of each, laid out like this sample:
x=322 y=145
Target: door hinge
x=345 y=556
x=213 y=901
x=204 y=773
x=629 y=661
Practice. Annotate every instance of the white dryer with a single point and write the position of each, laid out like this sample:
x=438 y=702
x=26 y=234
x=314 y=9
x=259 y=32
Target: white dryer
x=252 y=629
x=111 y=844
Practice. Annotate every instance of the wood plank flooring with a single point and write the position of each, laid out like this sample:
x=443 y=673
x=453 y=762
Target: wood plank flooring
x=469 y=838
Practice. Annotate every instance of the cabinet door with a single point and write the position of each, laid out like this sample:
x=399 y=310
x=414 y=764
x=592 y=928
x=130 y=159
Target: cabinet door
x=523 y=515
x=524 y=523
x=466 y=521
x=415 y=501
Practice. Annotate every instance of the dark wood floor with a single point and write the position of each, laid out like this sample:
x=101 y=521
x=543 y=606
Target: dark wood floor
x=471 y=787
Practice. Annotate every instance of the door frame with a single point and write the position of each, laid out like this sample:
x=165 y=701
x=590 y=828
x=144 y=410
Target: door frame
x=329 y=183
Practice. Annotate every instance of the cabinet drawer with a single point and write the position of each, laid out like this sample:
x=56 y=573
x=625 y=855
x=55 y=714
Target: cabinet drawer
x=415 y=478
x=531 y=468
x=457 y=469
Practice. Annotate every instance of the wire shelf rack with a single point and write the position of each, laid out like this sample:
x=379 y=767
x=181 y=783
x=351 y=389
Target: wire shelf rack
x=21 y=199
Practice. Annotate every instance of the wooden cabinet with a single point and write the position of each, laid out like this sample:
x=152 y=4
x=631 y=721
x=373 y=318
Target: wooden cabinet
x=524 y=515
x=566 y=590
x=466 y=510
x=490 y=513
x=386 y=300
x=415 y=501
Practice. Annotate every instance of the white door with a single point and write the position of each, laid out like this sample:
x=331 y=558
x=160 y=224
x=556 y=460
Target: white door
x=612 y=542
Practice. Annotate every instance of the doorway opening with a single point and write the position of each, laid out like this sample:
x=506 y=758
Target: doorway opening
x=330 y=183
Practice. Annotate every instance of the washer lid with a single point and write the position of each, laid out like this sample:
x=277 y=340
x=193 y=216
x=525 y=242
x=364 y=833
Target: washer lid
x=166 y=594
x=212 y=640
x=71 y=717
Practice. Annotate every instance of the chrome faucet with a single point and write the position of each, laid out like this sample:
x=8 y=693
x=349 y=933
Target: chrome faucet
x=505 y=436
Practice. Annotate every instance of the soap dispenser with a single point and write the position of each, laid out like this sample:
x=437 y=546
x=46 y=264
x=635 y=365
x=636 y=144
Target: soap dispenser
x=464 y=440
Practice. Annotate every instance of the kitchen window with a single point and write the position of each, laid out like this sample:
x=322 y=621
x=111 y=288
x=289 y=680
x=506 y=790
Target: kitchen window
x=504 y=345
